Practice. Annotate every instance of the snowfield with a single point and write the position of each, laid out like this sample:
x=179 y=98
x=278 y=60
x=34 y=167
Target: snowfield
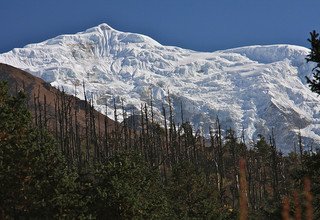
x=253 y=88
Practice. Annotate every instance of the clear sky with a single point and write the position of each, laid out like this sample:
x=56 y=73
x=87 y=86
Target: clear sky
x=203 y=25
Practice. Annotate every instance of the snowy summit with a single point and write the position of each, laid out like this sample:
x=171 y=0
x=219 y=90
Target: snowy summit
x=254 y=89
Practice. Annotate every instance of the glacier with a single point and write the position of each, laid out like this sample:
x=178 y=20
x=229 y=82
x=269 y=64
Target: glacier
x=252 y=89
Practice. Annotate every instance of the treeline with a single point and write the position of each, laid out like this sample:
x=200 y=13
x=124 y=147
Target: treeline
x=62 y=163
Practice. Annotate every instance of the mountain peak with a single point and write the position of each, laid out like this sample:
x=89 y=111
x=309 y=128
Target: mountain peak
x=100 y=27
x=252 y=88
x=105 y=26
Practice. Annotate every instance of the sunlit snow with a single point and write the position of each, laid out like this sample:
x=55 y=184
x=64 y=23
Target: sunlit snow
x=254 y=88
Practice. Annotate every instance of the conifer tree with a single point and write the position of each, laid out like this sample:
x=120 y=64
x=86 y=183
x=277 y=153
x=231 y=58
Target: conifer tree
x=191 y=195
x=314 y=56
x=34 y=180
x=126 y=188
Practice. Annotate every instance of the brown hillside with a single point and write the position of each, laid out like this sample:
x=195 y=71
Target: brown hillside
x=43 y=97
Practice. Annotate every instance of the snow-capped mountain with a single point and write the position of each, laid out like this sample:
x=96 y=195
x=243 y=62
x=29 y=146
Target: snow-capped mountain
x=254 y=88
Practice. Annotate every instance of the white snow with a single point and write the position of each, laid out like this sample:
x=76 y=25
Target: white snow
x=256 y=88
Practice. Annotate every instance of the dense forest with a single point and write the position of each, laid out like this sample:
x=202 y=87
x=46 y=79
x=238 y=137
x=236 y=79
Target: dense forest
x=52 y=165
x=139 y=169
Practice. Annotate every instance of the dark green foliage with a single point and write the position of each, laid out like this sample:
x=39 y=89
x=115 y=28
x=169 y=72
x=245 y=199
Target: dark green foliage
x=126 y=187
x=33 y=175
x=192 y=196
x=314 y=56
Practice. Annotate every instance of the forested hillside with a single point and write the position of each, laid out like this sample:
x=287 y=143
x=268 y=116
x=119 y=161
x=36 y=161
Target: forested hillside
x=67 y=161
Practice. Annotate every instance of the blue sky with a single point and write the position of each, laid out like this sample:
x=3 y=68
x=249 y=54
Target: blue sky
x=203 y=25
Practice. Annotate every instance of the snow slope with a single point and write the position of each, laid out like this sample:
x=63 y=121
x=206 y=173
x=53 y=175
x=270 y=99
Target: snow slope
x=254 y=88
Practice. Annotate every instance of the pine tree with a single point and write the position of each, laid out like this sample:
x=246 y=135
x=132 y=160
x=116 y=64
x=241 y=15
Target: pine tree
x=34 y=180
x=314 y=56
x=127 y=188
x=191 y=195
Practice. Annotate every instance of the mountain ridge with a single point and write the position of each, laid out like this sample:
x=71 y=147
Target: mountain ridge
x=254 y=88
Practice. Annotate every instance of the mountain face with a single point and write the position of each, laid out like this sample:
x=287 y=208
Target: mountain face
x=253 y=89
